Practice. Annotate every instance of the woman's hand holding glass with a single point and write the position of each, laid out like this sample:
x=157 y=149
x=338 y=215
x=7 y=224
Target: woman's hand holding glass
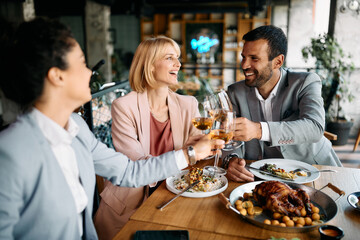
x=206 y=145
x=193 y=139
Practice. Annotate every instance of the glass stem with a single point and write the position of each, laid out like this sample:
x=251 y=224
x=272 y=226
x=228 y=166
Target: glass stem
x=216 y=162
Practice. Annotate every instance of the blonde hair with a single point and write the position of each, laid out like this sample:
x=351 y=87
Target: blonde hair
x=141 y=76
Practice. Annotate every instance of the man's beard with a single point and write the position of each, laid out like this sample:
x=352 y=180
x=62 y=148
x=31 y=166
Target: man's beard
x=262 y=77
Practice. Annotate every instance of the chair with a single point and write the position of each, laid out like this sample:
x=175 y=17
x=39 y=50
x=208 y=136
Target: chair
x=357 y=141
x=330 y=136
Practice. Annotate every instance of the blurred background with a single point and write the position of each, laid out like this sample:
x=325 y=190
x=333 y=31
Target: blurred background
x=323 y=36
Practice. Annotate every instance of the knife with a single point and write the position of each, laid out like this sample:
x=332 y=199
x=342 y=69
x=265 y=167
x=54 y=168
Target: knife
x=270 y=174
x=160 y=207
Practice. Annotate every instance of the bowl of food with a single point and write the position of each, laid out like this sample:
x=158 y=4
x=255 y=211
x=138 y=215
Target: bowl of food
x=287 y=207
x=330 y=232
x=354 y=200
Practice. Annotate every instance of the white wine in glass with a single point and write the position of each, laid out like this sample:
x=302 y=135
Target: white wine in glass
x=202 y=123
x=223 y=134
x=221 y=130
x=218 y=114
x=205 y=120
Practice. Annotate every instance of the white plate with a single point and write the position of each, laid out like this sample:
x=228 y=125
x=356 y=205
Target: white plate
x=287 y=165
x=170 y=186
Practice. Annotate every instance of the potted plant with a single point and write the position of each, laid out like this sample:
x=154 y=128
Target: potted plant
x=333 y=66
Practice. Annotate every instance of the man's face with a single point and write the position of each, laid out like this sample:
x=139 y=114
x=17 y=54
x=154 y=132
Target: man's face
x=255 y=63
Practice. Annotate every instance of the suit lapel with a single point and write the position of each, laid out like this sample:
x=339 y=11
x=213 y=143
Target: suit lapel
x=254 y=105
x=279 y=99
x=255 y=110
x=177 y=126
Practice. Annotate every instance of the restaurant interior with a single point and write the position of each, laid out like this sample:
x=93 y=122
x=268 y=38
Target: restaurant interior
x=209 y=34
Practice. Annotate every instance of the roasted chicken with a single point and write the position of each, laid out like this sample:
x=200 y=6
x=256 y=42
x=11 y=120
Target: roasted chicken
x=279 y=197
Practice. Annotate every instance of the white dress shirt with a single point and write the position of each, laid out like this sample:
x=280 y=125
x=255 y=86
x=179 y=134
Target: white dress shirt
x=60 y=140
x=266 y=106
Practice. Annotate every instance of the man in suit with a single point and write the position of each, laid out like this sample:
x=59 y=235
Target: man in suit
x=280 y=112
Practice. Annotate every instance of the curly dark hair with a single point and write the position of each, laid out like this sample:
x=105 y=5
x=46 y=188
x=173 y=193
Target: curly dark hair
x=275 y=37
x=36 y=46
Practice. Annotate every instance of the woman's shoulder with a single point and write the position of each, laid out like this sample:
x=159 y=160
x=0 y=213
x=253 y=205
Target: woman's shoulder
x=22 y=140
x=127 y=100
x=23 y=126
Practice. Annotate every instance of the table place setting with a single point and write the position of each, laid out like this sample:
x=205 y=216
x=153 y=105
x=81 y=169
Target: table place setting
x=207 y=217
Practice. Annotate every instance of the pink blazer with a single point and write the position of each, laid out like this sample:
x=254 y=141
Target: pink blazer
x=131 y=122
x=131 y=136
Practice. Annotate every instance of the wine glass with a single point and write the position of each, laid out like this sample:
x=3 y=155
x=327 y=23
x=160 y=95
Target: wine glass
x=224 y=100
x=205 y=120
x=221 y=130
x=220 y=104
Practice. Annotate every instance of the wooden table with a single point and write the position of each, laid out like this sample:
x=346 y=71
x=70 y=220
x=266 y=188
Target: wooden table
x=207 y=218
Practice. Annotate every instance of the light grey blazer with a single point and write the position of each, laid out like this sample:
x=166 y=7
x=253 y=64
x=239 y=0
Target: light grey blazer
x=35 y=199
x=298 y=119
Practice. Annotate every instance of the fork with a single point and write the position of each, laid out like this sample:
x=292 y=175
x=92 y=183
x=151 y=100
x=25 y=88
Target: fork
x=177 y=195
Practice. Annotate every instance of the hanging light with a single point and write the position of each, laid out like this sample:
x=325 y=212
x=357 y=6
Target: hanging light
x=352 y=5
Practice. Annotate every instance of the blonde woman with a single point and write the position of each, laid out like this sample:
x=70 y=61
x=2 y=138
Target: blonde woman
x=148 y=121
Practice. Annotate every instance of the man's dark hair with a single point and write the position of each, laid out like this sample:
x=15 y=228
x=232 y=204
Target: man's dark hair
x=36 y=47
x=275 y=37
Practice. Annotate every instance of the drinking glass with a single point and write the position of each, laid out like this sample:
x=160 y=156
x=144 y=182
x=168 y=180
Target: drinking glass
x=224 y=100
x=220 y=104
x=221 y=130
x=205 y=120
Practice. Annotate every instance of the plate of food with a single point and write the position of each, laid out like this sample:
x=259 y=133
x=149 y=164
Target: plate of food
x=207 y=186
x=283 y=207
x=284 y=169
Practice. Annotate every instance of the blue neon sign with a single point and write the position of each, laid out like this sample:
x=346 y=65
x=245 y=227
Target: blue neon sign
x=203 y=44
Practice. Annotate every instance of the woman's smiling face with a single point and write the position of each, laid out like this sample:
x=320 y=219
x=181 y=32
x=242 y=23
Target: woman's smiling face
x=166 y=68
